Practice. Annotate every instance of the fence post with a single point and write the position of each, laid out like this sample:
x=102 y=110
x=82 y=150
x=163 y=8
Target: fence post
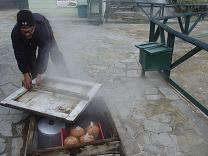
x=170 y=43
x=152 y=31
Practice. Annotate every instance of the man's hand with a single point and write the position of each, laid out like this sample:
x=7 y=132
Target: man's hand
x=38 y=80
x=27 y=81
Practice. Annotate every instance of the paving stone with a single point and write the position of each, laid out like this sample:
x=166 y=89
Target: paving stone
x=139 y=116
x=17 y=144
x=132 y=73
x=152 y=149
x=174 y=138
x=5 y=69
x=129 y=130
x=114 y=154
x=110 y=155
x=153 y=97
x=4 y=59
x=163 y=139
x=147 y=137
x=156 y=127
x=1 y=94
x=128 y=61
x=14 y=118
x=180 y=104
x=139 y=107
x=19 y=129
x=6 y=122
x=164 y=118
x=2 y=145
x=119 y=73
x=166 y=90
x=15 y=112
x=4 y=110
x=189 y=113
x=191 y=142
x=98 y=67
x=129 y=144
x=151 y=91
x=5 y=128
x=120 y=65
x=179 y=154
x=168 y=93
x=168 y=151
x=132 y=124
x=8 y=89
x=139 y=154
x=132 y=65
x=148 y=154
x=172 y=97
x=139 y=136
x=15 y=79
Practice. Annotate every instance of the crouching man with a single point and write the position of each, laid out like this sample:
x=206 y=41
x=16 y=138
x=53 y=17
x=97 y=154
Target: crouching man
x=33 y=41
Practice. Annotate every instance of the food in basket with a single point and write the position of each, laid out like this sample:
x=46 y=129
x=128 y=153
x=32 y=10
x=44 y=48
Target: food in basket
x=93 y=129
x=71 y=140
x=77 y=131
x=87 y=138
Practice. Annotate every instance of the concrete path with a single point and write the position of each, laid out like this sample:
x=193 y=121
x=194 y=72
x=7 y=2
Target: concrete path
x=151 y=118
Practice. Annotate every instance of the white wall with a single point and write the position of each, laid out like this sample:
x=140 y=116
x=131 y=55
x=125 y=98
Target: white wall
x=49 y=8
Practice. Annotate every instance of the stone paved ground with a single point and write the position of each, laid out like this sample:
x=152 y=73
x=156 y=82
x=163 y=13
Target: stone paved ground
x=151 y=118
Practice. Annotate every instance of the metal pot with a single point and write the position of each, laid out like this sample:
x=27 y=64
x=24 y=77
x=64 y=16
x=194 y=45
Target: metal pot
x=49 y=133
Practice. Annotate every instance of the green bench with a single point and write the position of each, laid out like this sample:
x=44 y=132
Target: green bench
x=154 y=57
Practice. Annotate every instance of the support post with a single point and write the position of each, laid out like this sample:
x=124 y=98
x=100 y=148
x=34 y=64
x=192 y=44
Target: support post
x=152 y=31
x=142 y=73
x=151 y=10
x=170 y=43
x=187 y=23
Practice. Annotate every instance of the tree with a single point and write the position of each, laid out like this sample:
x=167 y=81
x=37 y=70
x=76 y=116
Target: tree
x=188 y=1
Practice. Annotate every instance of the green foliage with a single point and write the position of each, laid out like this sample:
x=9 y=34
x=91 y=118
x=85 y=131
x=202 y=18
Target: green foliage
x=181 y=8
x=188 y=1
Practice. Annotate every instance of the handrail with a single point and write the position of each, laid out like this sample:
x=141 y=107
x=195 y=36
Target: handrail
x=182 y=36
x=181 y=15
x=152 y=9
x=157 y=4
x=200 y=45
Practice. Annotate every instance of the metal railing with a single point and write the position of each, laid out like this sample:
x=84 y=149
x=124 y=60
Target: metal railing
x=151 y=10
x=158 y=28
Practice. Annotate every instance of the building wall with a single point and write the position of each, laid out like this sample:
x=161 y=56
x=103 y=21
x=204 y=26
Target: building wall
x=49 y=8
x=82 y=2
x=10 y=4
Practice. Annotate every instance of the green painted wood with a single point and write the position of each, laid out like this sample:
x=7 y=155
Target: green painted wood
x=152 y=32
x=187 y=24
x=182 y=36
x=172 y=34
x=195 y=23
x=162 y=36
x=186 y=57
x=180 y=24
x=157 y=32
x=154 y=56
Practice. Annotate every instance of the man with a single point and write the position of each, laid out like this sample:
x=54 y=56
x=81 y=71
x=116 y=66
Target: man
x=32 y=33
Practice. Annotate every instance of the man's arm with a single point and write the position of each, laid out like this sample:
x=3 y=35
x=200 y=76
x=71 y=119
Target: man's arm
x=43 y=50
x=19 y=52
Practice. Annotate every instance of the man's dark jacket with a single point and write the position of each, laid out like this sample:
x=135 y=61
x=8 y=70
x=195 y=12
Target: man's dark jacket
x=25 y=50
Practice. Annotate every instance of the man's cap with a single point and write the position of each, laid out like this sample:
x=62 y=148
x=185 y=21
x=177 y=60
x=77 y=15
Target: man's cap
x=25 y=18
